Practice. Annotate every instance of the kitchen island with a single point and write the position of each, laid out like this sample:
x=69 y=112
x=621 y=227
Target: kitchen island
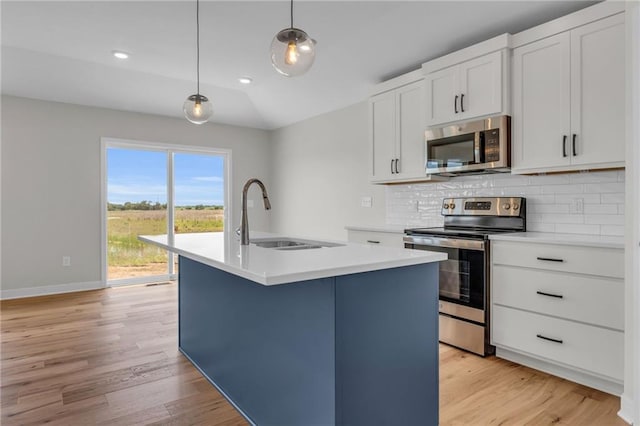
x=345 y=334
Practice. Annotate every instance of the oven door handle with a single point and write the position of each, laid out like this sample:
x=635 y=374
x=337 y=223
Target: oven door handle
x=456 y=243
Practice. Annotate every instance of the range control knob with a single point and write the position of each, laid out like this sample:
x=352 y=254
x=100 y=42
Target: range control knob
x=446 y=206
x=452 y=206
x=516 y=206
x=506 y=206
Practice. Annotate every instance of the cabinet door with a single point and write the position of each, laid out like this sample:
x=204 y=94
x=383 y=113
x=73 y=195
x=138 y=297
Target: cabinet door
x=481 y=86
x=541 y=104
x=411 y=146
x=383 y=134
x=598 y=92
x=441 y=91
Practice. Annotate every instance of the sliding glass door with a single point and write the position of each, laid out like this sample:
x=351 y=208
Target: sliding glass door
x=152 y=189
x=198 y=193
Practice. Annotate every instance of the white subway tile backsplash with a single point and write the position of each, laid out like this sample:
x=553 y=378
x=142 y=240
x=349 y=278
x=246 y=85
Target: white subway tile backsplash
x=586 y=198
x=563 y=189
x=552 y=200
x=541 y=227
x=548 y=208
x=617 y=198
x=543 y=180
x=600 y=177
x=604 y=187
x=562 y=218
x=570 y=228
x=601 y=209
x=613 y=230
x=604 y=219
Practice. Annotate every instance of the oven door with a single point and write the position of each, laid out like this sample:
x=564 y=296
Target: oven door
x=462 y=275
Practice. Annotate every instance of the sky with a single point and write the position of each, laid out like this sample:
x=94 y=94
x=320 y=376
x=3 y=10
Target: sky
x=136 y=175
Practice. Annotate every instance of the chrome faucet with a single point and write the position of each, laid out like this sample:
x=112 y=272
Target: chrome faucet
x=244 y=227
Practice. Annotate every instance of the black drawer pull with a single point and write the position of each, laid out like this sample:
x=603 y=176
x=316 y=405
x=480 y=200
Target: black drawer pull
x=550 y=259
x=540 y=336
x=373 y=241
x=557 y=296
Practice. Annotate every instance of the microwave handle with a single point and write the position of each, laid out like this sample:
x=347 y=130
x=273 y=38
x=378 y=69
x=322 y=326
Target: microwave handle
x=478 y=148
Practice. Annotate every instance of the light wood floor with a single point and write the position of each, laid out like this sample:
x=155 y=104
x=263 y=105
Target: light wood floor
x=110 y=357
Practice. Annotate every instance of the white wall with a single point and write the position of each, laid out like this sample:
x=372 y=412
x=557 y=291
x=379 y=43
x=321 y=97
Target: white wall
x=51 y=182
x=320 y=172
x=551 y=200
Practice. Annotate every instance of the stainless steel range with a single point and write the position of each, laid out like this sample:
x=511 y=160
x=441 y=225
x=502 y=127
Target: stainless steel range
x=464 y=277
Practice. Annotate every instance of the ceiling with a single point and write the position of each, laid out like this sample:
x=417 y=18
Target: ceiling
x=61 y=51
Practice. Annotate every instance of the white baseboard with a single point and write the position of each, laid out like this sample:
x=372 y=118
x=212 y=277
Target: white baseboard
x=572 y=374
x=49 y=289
x=626 y=409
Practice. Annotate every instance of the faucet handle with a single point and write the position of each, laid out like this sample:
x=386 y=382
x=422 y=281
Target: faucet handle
x=238 y=231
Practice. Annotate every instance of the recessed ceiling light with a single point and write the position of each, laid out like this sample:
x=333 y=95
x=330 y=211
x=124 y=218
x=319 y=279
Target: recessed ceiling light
x=120 y=54
x=245 y=80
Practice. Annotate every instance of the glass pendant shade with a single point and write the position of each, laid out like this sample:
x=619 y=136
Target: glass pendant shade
x=197 y=109
x=292 y=52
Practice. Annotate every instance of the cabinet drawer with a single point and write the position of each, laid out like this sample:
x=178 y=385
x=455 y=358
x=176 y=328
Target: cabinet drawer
x=376 y=238
x=594 y=300
x=589 y=348
x=605 y=262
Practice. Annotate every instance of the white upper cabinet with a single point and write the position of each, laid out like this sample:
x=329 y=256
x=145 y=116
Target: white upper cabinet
x=598 y=89
x=569 y=101
x=397 y=134
x=466 y=90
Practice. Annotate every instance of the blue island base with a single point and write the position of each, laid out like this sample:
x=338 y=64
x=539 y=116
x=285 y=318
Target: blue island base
x=358 y=349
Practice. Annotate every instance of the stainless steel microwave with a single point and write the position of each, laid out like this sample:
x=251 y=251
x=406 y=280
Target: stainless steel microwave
x=482 y=146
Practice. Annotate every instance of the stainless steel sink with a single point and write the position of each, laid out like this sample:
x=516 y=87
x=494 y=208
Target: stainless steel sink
x=277 y=243
x=291 y=243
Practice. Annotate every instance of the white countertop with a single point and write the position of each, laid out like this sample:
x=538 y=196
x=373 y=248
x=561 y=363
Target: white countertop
x=267 y=266
x=392 y=229
x=565 y=239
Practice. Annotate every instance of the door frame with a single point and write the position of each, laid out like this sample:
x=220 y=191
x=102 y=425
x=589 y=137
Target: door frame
x=169 y=149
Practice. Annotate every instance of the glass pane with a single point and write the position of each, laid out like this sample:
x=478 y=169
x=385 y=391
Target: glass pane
x=136 y=205
x=198 y=193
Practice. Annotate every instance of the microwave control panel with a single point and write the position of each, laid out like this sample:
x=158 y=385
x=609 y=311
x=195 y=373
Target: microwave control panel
x=491 y=145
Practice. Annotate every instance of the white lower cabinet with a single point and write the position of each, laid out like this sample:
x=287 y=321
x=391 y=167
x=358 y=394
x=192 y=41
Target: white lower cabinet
x=560 y=308
x=381 y=238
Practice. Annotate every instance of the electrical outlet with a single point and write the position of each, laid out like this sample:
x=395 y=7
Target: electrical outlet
x=577 y=206
x=366 y=201
x=66 y=260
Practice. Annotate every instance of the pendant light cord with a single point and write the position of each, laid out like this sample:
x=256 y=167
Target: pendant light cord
x=291 y=13
x=198 y=44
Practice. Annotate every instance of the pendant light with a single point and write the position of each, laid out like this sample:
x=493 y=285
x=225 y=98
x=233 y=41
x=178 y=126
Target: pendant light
x=292 y=51
x=197 y=108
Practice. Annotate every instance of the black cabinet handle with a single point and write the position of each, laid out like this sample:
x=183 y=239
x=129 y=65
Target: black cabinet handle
x=557 y=296
x=550 y=339
x=397 y=159
x=573 y=144
x=392 y=160
x=550 y=259
x=564 y=145
x=455 y=104
x=462 y=102
x=373 y=241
